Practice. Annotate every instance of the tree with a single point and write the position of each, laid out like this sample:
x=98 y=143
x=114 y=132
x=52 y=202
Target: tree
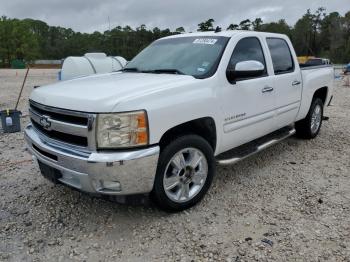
x=245 y=24
x=180 y=30
x=41 y=31
x=141 y=28
x=346 y=58
x=307 y=30
x=317 y=18
x=332 y=36
x=206 y=25
x=281 y=27
x=303 y=34
x=257 y=24
x=315 y=33
x=233 y=27
x=17 y=41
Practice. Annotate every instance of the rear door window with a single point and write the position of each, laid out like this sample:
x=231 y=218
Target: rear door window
x=281 y=56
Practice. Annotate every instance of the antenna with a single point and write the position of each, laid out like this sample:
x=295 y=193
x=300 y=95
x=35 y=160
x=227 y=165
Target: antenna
x=109 y=24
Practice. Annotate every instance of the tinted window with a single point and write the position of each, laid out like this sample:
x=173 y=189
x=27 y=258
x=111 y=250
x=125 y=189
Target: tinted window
x=281 y=56
x=248 y=49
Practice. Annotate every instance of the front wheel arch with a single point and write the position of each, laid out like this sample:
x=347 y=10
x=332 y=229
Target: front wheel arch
x=204 y=127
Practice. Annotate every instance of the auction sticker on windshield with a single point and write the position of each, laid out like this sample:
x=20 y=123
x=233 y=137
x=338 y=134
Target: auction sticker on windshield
x=205 y=41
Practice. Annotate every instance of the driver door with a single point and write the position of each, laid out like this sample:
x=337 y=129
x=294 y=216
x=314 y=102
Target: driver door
x=248 y=104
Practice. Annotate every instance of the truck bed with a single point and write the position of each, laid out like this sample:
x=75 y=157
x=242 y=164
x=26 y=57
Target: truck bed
x=308 y=67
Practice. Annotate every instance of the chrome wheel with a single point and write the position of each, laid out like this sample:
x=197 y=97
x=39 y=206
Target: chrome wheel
x=316 y=119
x=185 y=175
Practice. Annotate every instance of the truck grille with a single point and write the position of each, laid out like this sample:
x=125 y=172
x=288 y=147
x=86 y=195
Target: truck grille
x=59 y=116
x=67 y=138
x=60 y=125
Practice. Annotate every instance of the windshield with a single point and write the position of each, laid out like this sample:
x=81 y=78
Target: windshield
x=196 y=56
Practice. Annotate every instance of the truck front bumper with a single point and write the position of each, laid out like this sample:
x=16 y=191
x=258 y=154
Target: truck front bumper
x=110 y=173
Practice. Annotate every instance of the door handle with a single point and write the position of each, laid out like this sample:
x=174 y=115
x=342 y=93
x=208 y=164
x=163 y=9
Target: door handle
x=267 y=89
x=296 y=83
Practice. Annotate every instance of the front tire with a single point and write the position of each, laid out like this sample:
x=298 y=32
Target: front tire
x=309 y=127
x=185 y=171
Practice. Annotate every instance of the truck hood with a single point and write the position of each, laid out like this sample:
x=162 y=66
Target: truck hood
x=102 y=93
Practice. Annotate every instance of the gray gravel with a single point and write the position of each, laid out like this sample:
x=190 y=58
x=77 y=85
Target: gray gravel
x=288 y=203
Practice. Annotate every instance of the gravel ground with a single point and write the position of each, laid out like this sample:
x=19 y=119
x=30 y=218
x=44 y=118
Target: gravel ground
x=288 y=203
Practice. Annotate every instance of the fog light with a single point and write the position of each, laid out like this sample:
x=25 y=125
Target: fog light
x=105 y=186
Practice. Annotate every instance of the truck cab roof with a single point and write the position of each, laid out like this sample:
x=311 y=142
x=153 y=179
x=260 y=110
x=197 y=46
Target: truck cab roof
x=227 y=33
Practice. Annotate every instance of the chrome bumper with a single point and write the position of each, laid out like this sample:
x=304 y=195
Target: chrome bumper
x=134 y=170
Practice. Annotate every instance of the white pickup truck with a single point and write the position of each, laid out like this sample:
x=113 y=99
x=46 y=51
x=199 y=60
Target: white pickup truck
x=183 y=104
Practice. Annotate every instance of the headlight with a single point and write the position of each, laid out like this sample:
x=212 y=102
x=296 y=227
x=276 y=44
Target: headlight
x=122 y=130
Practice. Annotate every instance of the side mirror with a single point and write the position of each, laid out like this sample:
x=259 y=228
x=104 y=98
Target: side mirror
x=245 y=69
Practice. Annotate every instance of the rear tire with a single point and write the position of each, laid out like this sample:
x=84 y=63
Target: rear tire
x=185 y=171
x=309 y=127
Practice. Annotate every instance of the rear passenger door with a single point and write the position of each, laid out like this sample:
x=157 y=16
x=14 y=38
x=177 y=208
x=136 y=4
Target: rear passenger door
x=286 y=81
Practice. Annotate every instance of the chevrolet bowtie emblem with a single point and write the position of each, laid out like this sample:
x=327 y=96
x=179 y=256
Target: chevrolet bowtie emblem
x=45 y=122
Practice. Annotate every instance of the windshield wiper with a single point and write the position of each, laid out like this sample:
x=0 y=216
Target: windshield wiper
x=165 y=71
x=153 y=71
x=130 y=69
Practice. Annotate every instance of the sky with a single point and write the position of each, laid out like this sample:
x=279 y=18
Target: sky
x=92 y=15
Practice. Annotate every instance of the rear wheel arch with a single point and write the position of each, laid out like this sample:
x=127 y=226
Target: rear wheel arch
x=321 y=93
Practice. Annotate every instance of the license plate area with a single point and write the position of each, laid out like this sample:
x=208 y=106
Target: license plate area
x=50 y=173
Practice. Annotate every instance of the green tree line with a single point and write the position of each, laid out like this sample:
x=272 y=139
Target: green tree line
x=315 y=33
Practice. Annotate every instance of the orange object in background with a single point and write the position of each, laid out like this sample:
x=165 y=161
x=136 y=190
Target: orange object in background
x=303 y=59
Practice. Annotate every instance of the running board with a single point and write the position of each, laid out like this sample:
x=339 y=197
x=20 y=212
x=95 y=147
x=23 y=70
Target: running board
x=239 y=153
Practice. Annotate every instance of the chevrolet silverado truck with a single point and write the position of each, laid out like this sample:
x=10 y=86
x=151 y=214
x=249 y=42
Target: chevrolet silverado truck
x=185 y=103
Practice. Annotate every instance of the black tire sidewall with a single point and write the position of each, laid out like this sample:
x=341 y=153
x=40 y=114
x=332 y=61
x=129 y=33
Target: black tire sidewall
x=158 y=193
x=316 y=102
